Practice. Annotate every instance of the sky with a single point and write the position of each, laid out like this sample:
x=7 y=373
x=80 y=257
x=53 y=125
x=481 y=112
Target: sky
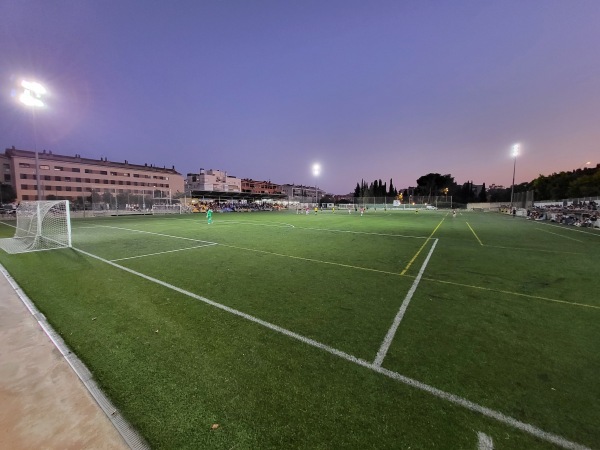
x=264 y=89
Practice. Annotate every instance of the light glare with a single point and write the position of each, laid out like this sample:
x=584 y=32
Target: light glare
x=27 y=99
x=515 y=150
x=316 y=169
x=33 y=86
x=32 y=95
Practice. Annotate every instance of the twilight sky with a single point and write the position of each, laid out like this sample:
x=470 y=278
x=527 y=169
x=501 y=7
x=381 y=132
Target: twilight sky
x=264 y=88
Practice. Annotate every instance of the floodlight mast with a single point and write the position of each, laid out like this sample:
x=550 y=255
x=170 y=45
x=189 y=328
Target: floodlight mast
x=32 y=97
x=515 y=153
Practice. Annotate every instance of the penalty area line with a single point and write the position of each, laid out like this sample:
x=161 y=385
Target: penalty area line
x=455 y=399
x=162 y=253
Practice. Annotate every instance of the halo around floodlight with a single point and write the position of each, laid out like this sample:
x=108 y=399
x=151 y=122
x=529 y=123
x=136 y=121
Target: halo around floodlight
x=32 y=94
x=515 y=150
x=316 y=169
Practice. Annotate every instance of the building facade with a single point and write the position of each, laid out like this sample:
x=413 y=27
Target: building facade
x=267 y=188
x=298 y=192
x=212 y=180
x=75 y=178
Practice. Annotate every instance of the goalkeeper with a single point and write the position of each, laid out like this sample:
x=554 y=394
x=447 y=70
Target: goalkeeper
x=209 y=215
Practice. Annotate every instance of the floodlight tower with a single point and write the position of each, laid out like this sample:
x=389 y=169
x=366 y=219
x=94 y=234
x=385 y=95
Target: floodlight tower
x=316 y=170
x=515 y=153
x=32 y=98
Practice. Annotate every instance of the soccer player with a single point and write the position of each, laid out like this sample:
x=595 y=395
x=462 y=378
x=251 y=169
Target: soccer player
x=209 y=215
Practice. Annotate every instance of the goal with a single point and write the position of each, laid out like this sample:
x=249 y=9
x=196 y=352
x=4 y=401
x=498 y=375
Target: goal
x=42 y=225
x=167 y=209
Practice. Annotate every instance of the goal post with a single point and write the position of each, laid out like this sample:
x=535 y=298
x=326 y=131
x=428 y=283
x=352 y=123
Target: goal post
x=41 y=225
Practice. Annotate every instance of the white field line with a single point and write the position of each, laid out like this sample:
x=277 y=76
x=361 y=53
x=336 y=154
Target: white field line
x=330 y=230
x=389 y=337
x=272 y=224
x=362 y=232
x=573 y=229
x=529 y=249
x=158 y=234
x=518 y=294
x=484 y=442
x=527 y=428
x=559 y=235
x=162 y=253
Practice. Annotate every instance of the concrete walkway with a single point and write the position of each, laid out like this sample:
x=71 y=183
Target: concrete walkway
x=43 y=403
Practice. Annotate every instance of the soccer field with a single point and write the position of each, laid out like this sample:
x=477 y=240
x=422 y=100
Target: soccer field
x=391 y=330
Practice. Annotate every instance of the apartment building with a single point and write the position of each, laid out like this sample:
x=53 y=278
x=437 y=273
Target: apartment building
x=260 y=187
x=212 y=180
x=302 y=193
x=75 y=177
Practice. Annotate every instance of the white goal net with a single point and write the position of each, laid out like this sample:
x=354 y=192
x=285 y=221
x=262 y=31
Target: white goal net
x=167 y=209
x=42 y=225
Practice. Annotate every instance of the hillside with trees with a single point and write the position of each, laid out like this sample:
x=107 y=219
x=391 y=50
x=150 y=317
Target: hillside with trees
x=574 y=184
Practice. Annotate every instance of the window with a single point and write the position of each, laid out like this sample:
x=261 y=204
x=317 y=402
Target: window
x=75 y=169
x=103 y=172
x=78 y=180
x=105 y=181
x=68 y=179
x=24 y=165
x=44 y=167
x=6 y=166
x=7 y=177
x=23 y=176
x=88 y=171
x=114 y=174
x=87 y=180
x=24 y=187
x=113 y=182
x=59 y=188
x=97 y=181
x=68 y=188
x=47 y=178
x=57 y=178
x=58 y=168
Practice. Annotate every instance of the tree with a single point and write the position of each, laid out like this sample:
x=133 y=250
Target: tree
x=433 y=183
x=483 y=194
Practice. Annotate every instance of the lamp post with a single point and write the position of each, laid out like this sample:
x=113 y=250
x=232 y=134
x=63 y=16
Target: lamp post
x=515 y=153
x=316 y=170
x=32 y=97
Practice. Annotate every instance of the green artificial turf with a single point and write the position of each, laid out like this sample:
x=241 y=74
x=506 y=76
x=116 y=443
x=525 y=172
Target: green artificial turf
x=505 y=315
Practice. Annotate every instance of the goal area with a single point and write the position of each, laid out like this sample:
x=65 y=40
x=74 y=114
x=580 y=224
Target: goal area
x=41 y=225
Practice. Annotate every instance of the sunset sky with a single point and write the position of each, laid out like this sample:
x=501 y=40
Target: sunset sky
x=263 y=89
